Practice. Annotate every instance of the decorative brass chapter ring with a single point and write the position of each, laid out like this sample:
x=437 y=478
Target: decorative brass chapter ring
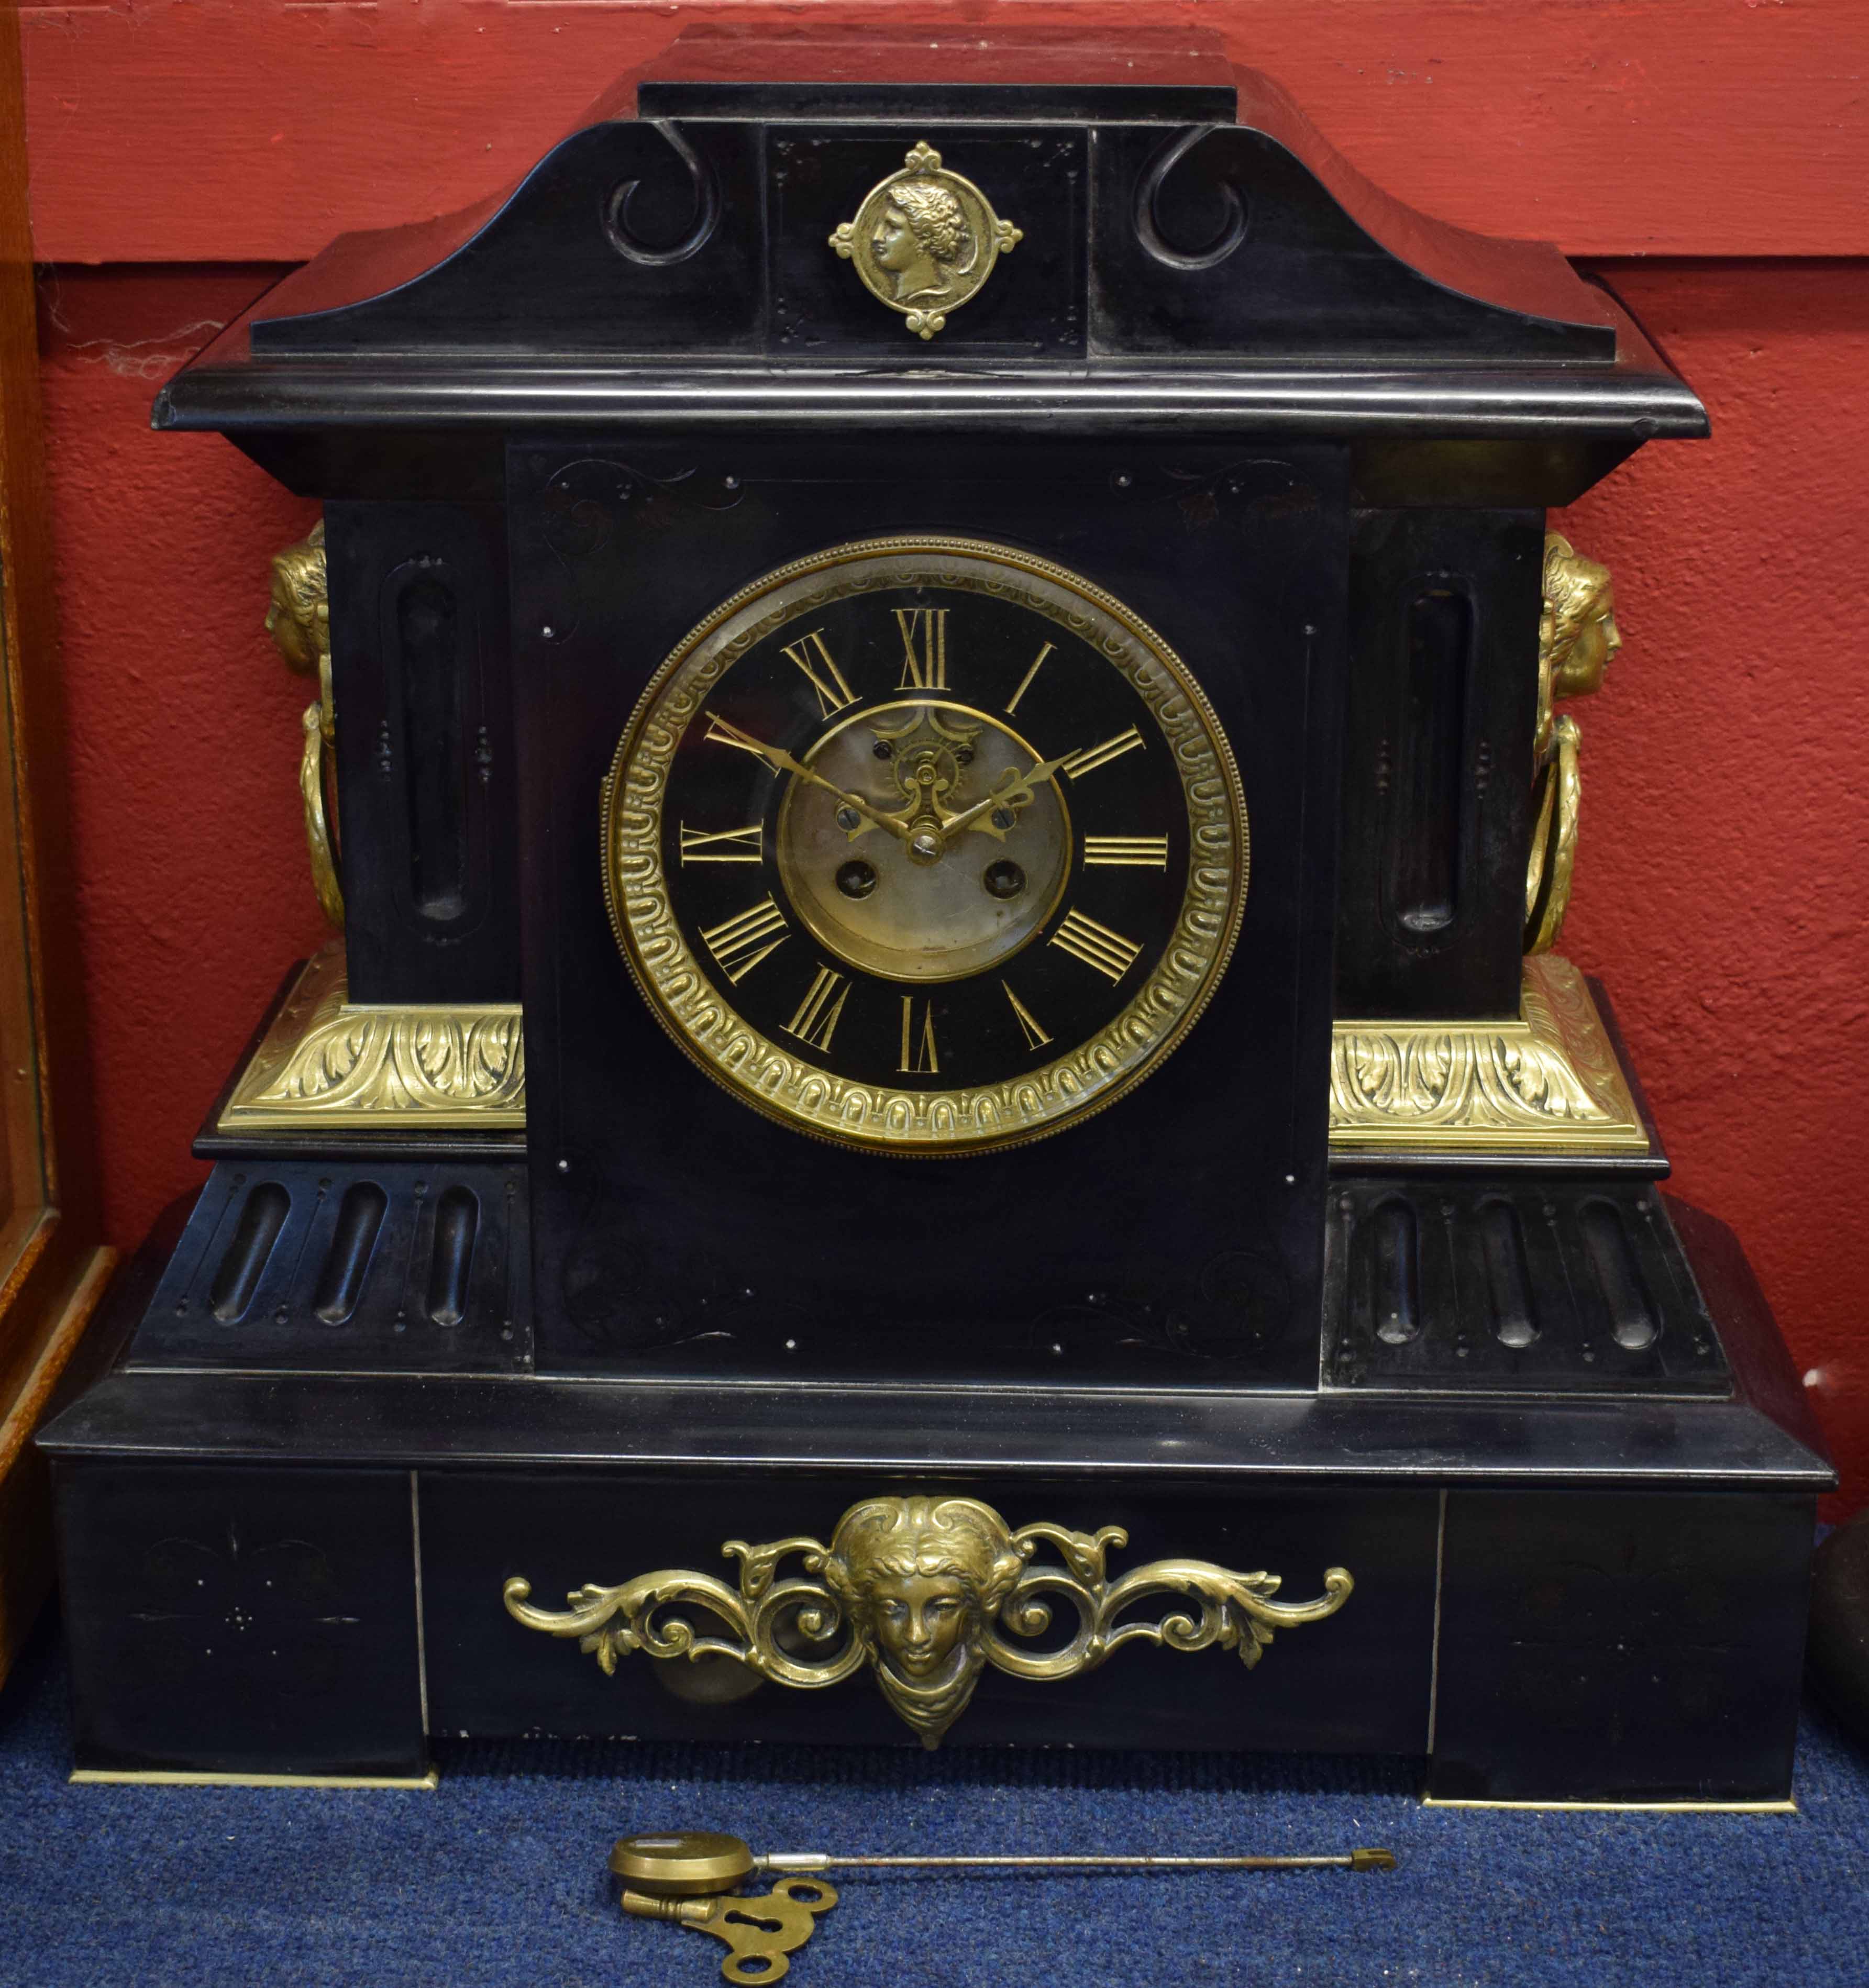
x=298 y=619
x=924 y=240
x=925 y=1590
x=1577 y=641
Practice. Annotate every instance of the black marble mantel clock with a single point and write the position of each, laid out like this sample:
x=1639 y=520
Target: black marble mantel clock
x=944 y=1107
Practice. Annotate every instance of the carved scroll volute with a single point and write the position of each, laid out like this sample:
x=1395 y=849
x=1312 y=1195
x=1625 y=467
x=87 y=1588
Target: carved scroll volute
x=620 y=231
x=925 y=1591
x=1153 y=230
x=298 y=619
x=1577 y=640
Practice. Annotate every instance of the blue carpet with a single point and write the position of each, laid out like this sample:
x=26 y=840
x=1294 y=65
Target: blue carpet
x=499 y=1876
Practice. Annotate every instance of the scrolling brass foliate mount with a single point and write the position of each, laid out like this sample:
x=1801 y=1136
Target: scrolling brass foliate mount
x=920 y=1589
x=924 y=240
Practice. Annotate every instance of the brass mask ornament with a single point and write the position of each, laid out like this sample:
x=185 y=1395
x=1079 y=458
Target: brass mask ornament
x=920 y=1589
x=920 y=1579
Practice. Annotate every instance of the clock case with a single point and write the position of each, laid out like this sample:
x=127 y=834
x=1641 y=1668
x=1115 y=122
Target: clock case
x=378 y=1369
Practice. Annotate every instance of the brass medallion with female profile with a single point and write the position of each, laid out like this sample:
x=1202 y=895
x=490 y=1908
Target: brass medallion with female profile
x=924 y=240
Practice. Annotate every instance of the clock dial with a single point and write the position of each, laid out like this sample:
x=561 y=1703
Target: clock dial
x=925 y=846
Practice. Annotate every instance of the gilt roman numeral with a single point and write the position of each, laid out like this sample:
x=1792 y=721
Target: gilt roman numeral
x=1025 y=682
x=739 y=943
x=821 y=673
x=924 y=642
x=1145 y=852
x=722 y=845
x=1110 y=952
x=1093 y=756
x=818 y=1013
x=1035 y=1036
x=919 y=1056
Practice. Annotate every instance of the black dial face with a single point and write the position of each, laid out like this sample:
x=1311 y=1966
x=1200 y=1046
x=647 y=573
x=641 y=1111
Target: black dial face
x=925 y=846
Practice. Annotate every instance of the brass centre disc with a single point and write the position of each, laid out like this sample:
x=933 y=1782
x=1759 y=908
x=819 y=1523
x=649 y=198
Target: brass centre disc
x=931 y=915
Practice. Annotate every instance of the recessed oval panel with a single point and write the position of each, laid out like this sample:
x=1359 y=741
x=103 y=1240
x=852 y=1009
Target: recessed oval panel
x=1509 y=1277
x=1633 y=1322
x=1427 y=810
x=243 y=1265
x=1391 y=1258
x=434 y=769
x=360 y=1221
x=457 y=1220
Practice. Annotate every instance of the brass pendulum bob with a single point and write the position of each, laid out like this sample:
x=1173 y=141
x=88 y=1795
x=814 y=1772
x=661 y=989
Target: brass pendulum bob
x=687 y=1877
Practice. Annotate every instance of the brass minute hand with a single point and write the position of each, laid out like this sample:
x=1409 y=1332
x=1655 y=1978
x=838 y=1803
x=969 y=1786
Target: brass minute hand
x=776 y=757
x=1013 y=790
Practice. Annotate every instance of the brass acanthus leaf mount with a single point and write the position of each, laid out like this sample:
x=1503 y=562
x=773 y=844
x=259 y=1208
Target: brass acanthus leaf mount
x=925 y=1590
x=326 y=1063
x=1546 y=1082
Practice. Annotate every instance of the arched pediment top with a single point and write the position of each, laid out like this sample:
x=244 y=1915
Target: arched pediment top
x=1167 y=211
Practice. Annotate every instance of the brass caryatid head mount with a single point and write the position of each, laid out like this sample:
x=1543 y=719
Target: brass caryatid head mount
x=298 y=619
x=298 y=613
x=1577 y=639
x=1577 y=635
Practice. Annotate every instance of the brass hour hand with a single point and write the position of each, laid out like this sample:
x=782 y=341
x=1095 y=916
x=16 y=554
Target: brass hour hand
x=1012 y=791
x=780 y=761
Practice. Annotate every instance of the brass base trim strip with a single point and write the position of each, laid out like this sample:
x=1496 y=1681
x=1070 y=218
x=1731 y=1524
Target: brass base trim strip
x=112 y=1776
x=1546 y=1083
x=327 y=1062
x=1433 y=1662
x=1628 y=1808
x=422 y=1616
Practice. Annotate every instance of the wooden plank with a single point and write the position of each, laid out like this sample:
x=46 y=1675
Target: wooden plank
x=179 y=130
x=49 y=1236
x=25 y=1488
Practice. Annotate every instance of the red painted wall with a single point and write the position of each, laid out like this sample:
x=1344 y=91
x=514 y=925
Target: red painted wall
x=180 y=130
x=1726 y=817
